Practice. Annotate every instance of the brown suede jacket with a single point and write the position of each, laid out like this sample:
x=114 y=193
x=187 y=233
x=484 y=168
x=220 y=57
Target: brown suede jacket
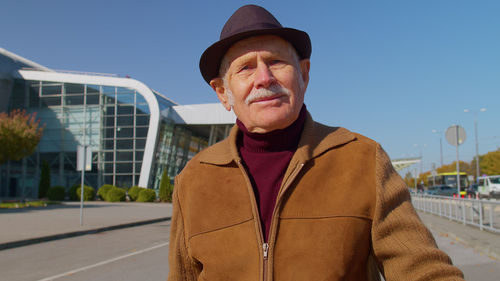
x=342 y=213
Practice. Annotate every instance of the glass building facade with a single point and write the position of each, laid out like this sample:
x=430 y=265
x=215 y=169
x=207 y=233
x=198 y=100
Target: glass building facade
x=132 y=130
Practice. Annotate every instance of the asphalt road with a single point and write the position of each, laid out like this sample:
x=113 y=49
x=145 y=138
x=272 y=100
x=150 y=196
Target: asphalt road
x=136 y=253
x=141 y=253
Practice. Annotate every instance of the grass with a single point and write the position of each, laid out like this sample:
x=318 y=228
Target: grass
x=19 y=204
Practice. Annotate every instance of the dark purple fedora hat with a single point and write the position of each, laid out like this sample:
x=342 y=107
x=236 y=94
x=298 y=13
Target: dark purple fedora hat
x=248 y=21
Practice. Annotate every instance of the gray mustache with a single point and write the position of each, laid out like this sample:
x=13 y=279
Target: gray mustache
x=273 y=90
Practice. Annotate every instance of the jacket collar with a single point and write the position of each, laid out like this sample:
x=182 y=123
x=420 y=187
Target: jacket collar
x=316 y=139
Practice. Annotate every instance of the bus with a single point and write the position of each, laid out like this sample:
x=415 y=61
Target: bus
x=449 y=179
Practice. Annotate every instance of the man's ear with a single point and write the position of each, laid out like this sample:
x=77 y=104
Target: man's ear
x=305 y=66
x=218 y=85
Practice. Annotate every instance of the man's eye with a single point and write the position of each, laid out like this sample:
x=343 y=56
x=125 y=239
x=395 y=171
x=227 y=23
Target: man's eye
x=245 y=67
x=274 y=62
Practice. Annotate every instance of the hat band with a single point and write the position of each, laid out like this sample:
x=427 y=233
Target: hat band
x=252 y=27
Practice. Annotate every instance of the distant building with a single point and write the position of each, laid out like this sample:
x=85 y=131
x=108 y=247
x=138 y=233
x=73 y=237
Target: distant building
x=135 y=132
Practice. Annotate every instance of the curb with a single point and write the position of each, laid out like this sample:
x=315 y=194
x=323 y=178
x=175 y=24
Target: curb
x=31 y=241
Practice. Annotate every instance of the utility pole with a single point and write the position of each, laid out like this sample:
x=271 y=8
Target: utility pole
x=478 y=172
x=440 y=144
x=420 y=147
x=455 y=135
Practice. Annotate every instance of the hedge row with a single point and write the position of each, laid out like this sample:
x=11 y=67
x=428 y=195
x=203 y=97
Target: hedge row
x=140 y=194
x=106 y=192
x=88 y=193
x=103 y=191
x=116 y=194
x=133 y=192
x=146 y=195
x=112 y=193
x=58 y=193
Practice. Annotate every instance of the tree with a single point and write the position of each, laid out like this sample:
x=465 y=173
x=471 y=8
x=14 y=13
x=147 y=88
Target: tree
x=44 y=184
x=422 y=178
x=464 y=167
x=490 y=163
x=409 y=180
x=19 y=135
x=166 y=188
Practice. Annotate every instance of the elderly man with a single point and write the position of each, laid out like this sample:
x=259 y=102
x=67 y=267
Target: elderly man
x=284 y=197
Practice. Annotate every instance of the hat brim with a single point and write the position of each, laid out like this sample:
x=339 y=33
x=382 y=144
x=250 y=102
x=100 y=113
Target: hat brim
x=210 y=59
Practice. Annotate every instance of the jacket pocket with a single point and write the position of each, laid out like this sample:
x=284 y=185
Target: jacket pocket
x=322 y=248
x=229 y=253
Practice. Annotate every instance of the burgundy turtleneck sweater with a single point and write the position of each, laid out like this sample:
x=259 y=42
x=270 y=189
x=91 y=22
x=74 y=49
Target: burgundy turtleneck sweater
x=266 y=157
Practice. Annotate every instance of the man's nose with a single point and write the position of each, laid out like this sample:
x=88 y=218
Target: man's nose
x=263 y=76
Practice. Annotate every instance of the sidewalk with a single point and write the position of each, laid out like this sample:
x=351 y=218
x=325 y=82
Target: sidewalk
x=485 y=242
x=26 y=226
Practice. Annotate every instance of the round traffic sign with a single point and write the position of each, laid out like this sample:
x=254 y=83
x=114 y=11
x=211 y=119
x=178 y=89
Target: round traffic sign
x=455 y=135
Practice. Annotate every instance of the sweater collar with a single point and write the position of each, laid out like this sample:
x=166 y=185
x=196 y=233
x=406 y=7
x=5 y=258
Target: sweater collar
x=315 y=139
x=285 y=139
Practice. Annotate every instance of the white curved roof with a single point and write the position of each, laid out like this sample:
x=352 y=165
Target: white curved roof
x=10 y=62
x=400 y=164
x=203 y=114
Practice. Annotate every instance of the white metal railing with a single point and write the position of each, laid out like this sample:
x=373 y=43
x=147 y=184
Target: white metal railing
x=484 y=214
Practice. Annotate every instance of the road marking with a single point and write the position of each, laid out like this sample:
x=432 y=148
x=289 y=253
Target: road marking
x=103 y=262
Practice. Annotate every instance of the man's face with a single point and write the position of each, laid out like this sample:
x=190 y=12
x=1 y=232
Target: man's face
x=264 y=83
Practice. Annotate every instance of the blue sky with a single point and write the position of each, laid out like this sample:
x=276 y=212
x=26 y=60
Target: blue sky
x=391 y=70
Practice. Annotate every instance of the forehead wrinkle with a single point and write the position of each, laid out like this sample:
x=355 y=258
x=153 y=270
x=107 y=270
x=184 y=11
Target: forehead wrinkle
x=257 y=44
x=252 y=56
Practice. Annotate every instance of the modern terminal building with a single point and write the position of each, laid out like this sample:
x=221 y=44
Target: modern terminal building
x=134 y=132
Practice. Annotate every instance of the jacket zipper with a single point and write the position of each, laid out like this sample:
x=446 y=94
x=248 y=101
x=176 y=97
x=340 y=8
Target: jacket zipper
x=265 y=246
x=284 y=188
x=265 y=249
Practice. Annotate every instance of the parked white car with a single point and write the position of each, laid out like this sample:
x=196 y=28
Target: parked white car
x=489 y=186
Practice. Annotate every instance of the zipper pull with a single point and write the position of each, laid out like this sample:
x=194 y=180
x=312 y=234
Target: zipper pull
x=265 y=247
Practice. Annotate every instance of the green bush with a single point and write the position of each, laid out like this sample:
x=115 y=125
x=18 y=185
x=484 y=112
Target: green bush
x=116 y=194
x=88 y=193
x=166 y=188
x=133 y=192
x=72 y=192
x=146 y=195
x=56 y=193
x=103 y=191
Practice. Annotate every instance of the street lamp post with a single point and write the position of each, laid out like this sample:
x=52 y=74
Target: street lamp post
x=475 y=132
x=420 y=147
x=440 y=144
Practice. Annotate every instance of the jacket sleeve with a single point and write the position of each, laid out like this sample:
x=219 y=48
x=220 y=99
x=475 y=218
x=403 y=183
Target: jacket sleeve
x=180 y=264
x=403 y=247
